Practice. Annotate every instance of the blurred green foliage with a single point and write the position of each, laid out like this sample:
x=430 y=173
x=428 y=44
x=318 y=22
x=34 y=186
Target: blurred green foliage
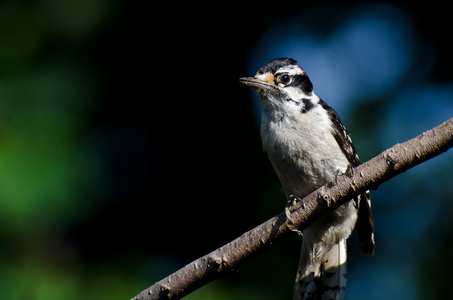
x=47 y=98
x=43 y=113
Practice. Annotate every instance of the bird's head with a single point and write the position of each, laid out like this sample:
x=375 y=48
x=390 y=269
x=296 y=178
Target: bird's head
x=281 y=80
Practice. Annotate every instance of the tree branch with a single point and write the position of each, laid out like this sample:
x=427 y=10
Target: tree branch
x=369 y=175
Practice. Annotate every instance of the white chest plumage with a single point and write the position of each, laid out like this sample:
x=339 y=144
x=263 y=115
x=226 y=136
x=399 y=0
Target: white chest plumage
x=302 y=149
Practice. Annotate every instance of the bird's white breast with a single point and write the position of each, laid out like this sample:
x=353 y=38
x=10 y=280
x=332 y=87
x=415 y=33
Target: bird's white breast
x=302 y=149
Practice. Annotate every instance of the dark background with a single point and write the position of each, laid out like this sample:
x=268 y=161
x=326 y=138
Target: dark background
x=128 y=148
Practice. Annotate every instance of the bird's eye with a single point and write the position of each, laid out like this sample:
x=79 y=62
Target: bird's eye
x=285 y=79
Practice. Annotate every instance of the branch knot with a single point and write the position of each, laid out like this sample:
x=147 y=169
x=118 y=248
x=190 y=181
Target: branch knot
x=326 y=198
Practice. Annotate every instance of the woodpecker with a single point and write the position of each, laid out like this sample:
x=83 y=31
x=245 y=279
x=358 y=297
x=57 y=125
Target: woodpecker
x=308 y=146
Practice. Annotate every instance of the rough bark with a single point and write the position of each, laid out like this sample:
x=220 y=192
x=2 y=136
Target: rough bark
x=369 y=175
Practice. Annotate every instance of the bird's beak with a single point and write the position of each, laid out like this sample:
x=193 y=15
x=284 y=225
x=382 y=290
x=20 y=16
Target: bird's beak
x=256 y=83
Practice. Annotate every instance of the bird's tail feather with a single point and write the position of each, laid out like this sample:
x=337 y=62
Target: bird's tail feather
x=322 y=278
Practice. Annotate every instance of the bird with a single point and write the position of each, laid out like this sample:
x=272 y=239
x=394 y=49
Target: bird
x=307 y=146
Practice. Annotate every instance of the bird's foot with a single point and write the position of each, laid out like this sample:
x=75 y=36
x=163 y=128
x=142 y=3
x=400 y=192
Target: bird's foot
x=292 y=200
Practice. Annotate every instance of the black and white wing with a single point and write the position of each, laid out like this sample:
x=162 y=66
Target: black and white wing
x=365 y=221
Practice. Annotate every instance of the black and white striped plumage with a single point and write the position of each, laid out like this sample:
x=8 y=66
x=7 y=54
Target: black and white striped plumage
x=308 y=146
